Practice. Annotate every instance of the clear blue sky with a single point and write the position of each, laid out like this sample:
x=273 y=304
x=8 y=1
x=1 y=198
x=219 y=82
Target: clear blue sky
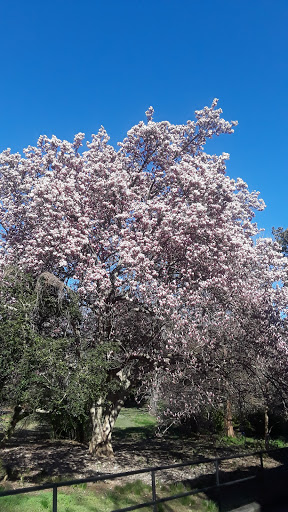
x=70 y=66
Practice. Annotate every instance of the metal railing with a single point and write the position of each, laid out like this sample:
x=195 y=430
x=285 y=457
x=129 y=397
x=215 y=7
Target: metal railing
x=152 y=470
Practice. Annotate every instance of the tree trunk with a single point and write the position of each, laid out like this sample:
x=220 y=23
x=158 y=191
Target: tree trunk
x=154 y=395
x=18 y=415
x=228 y=420
x=104 y=414
x=266 y=429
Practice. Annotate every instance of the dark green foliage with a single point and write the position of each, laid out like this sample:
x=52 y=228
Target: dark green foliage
x=46 y=361
x=17 y=330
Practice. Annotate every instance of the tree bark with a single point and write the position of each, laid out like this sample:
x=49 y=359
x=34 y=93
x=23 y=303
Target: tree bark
x=228 y=420
x=154 y=395
x=18 y=415
x=104 y=414
x=266 y=429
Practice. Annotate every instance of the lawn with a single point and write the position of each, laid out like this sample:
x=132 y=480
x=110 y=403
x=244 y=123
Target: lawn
x=105 y=498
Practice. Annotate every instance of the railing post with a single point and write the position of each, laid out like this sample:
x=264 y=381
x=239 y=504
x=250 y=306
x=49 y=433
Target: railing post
x=54 y=509
x=154 y=497
x=218 y=484
x=217 y=472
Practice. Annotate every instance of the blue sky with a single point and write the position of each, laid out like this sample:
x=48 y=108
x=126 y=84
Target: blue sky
x=72 y=66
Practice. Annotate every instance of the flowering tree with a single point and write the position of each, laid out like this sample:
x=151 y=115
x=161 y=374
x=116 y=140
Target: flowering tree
x=155 y=239
x=244 y=367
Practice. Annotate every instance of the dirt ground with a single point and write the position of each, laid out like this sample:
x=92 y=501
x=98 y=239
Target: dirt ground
x=30 y=458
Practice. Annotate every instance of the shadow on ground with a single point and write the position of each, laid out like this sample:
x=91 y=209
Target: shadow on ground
x=32 y=457
x=265 y=491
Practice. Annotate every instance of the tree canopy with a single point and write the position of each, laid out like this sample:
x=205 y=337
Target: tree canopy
x=156 y=242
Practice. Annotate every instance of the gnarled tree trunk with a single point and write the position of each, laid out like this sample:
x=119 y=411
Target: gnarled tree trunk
x=104 y=414
x=266 y=429
x=18 y=415
x=228 y=420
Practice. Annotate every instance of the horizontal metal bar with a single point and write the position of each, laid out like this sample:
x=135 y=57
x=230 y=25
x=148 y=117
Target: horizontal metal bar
x=163 y=500
x=238 y=481
x=181 y=495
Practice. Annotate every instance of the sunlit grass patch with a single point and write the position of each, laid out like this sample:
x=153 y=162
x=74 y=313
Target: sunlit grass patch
x=133 y=417
x=82 y=498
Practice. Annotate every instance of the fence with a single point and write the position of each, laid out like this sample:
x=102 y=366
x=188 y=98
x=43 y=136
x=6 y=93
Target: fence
x=152 y=470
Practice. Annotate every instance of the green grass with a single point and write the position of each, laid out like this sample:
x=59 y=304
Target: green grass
x=133 y=418
x=135 y=423
x=278 y=443
x=87 y=499
x=250 y=443
x=241 y=441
